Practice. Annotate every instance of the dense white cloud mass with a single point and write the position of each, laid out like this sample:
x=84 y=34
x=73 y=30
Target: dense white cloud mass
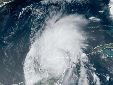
x=62 y=1
x=111 y=8
x=55 y=50
x=54 y=53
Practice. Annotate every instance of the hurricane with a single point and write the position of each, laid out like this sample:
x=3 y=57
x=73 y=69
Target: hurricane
x=56 y=42
x=56 y=52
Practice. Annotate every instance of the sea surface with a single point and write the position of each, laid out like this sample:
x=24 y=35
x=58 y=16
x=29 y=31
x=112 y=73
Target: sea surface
x=23 y=21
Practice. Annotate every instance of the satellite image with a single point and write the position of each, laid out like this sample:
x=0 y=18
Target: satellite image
x=56 y=42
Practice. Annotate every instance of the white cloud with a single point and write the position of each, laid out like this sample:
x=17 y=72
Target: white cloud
x=61 y=1
x=111 y=8
x=56 y=49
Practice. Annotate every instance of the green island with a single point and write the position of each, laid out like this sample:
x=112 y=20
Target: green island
x=105 y=49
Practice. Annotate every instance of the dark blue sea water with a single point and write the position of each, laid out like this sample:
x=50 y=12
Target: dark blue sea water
x=20 y=20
